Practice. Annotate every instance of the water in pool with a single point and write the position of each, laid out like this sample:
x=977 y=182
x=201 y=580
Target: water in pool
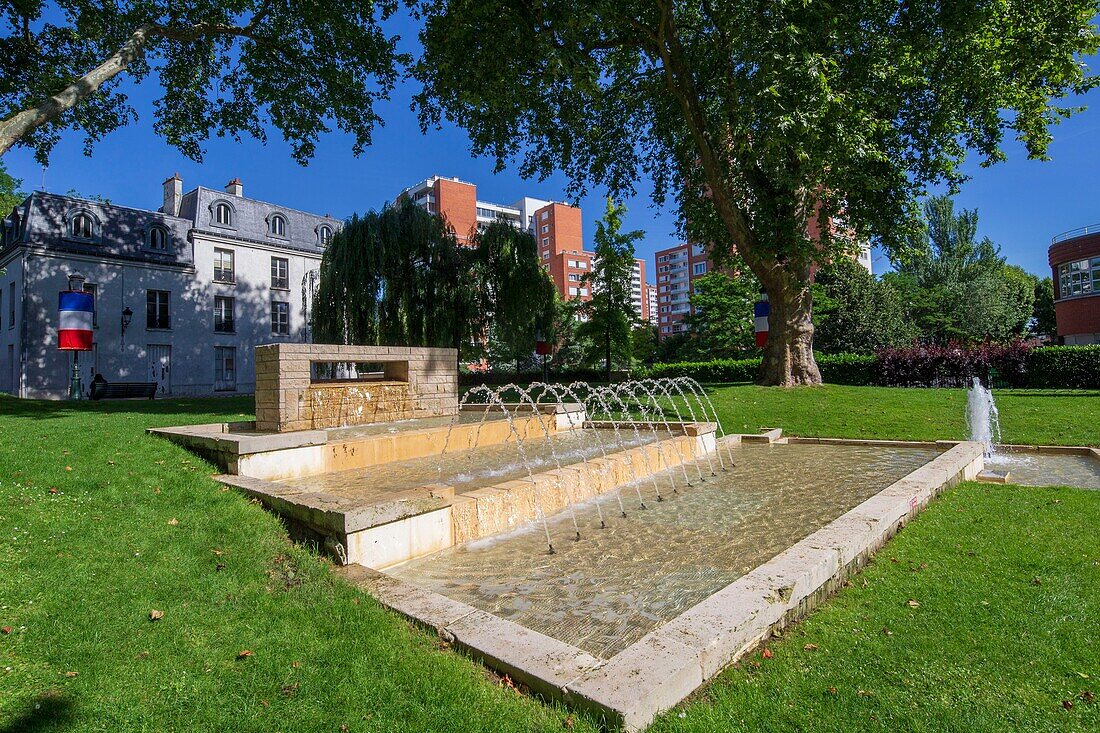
x=608 y=590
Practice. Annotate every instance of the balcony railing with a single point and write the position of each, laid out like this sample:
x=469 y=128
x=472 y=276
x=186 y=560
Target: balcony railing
x=1074 y=233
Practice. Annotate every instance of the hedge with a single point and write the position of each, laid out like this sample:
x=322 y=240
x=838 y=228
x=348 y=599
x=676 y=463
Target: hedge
x=1065 y=367
x=1003 y=365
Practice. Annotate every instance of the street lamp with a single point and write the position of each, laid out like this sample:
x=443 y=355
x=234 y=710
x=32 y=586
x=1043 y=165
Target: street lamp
x=127 y=317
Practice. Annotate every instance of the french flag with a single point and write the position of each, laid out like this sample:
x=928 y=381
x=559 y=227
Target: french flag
x=760 y=312
x=74 y=310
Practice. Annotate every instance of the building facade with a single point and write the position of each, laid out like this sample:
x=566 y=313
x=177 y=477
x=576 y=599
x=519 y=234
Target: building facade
x=182 y=294
x=678 y=267
x=1074 y=258
x=556 y=226
x=639 y=297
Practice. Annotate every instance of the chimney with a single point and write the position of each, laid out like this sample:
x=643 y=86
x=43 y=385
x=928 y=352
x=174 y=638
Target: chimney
x=173 y=195
x=235 y=187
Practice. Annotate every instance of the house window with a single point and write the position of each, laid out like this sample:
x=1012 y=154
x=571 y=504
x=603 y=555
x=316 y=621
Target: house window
x=280 y=273
x=574 y=291
x=157 y=313
x=223 y=314
x=93 y=289
x=223 y=214
x=324 y=234
x=276 y=226
x=11 y=306
x=545 y=255
x=158 y=239
x=83 y=226
x=225 y=369
x=574 y=277
x=545 y=228
x=223 y=266
x=546 y=241
x=699 y=268
x=543 y=216
x=280 y=318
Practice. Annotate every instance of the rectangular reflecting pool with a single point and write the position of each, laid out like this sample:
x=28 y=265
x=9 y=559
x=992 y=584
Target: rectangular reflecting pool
x=1031 y=468
x=606 y=591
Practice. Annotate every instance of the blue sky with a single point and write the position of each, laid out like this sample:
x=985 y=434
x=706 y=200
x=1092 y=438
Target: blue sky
x=1021 y=203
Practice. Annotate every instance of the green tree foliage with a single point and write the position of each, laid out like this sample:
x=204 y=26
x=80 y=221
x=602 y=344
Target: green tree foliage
x=225 y=68
x=570 y=347
x=644 y=343
x=515 y=290
x=957 y=287
x=609 y=315
x=1043 y=312
x=397 y=277
x=759 y=117
x=10 y=195
x=721 y=324
x=856 y=313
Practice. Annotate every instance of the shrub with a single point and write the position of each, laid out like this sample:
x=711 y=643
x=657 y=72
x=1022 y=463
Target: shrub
x=953 y=365
x=857 y=370
x=496 y=379
x=1065 y=367
x=715 y=370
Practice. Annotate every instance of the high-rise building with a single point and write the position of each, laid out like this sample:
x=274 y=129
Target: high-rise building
x=651 y=303
x=556 y=226
x=677 y=269
x=639 y=299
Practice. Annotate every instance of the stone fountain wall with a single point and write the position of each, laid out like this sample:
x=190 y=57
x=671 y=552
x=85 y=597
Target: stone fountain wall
x=417 y=382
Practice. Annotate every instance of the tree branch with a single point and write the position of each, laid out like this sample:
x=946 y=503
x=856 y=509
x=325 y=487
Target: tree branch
x=21 y=124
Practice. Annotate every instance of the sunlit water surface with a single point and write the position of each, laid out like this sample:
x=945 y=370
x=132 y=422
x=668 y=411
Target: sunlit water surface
x=612 y=587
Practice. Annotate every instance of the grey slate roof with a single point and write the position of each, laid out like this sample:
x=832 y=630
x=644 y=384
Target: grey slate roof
x=120 y=231
x=250 y=220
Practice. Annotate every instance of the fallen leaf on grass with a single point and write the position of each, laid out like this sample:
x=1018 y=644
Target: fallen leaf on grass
x=244 y=654
x=5 y=631
x=1037 y=581
x=155 y=615
x=219 y=567
x=810 y=647
x=71 y=674
x=1067 y=704
x=913 y=603
x=295 y=664
x=217 y=553
x=54 y=490
x=767 y=653
x=866 y=693
x=1087 y=696
x=568 y=722
x=886 y=630
x=830 y=691
x=68 y=468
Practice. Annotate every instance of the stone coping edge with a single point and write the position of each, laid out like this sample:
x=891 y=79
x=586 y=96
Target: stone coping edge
x=657 y=672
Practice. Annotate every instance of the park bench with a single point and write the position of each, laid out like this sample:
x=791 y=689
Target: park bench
x=123 y=390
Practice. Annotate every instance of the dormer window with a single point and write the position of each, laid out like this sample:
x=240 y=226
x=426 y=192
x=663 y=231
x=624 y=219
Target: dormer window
x=223 y=214
x=324 y=234
x=157 y=239
x=276 y=225
x=82 y=226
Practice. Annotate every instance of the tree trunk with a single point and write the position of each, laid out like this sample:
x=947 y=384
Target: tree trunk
x=788 y=355
x=607 y=355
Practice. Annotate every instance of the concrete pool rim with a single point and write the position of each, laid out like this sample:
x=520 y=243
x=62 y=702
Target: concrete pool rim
x=673 y=660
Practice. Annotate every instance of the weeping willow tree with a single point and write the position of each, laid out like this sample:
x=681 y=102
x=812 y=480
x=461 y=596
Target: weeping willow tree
x=516 y=290
x=397 y=277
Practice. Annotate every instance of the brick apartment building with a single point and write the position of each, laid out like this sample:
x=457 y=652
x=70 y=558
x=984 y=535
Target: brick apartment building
x=1074 y=258
x=556 y=227
x=678 y=267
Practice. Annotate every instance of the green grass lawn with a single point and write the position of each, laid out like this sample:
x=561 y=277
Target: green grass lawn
x=101 y=524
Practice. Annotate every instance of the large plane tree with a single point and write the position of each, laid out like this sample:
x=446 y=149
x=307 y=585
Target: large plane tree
x=239 y=67
x=763 y=118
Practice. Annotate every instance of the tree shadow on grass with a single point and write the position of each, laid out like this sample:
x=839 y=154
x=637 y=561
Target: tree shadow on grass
x=48 y=712
x=176 y=407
